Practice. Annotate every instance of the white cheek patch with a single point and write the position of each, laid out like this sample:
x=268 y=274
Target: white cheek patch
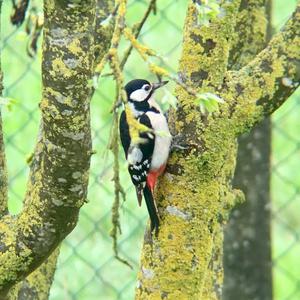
x=139 y=95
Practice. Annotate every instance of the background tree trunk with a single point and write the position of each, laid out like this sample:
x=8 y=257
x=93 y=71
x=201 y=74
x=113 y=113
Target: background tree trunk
x=247 y=245
x=247 y=236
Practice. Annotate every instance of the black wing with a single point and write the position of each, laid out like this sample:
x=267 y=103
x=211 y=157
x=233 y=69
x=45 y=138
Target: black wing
x=124 y=133
x=139 y=171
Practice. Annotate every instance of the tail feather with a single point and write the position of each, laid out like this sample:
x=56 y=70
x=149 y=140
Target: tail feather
x=152 y=210
x=139 y=193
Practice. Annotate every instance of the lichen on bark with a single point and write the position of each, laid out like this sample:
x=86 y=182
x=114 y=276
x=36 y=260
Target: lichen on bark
x=195 y=195
x=37 y=284
x=267 y=81
x=58 y=180
x=250 y=34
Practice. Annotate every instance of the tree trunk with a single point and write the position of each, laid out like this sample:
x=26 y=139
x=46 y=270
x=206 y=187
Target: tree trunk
x=247 y=247
x=58 y=181
x=195 y=196
x=74 y=42
x=247 y=240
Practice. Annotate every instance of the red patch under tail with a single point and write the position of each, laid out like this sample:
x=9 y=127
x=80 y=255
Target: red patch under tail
x=152 y=177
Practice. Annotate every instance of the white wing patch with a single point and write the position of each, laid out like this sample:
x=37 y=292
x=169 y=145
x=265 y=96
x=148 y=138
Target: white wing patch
x=135 y=155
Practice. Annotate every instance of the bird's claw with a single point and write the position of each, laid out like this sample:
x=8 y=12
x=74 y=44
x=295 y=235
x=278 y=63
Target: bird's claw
x=178 y=143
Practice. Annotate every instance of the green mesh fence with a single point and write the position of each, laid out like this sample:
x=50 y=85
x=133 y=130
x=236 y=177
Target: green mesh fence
x=86 y=266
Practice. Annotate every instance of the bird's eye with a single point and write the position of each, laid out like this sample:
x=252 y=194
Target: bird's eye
x=147 y=87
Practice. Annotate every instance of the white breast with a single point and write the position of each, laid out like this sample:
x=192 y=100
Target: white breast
x=162 y=139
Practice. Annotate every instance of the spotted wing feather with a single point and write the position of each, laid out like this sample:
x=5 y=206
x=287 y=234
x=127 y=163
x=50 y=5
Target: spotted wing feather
x=139 y=170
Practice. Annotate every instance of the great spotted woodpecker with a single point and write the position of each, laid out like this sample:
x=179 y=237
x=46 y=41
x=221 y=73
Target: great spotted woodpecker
x=147 y=159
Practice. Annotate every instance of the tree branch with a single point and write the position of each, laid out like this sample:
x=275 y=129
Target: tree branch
x=137 y=29
x=206 y=47
x=250 y=33
x=59 y=171
x=265 y=83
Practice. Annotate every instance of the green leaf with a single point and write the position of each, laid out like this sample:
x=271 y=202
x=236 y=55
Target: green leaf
x=208 y=102
x=207 y=11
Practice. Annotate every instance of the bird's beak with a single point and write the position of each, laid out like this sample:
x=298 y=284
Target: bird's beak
x=157 y=85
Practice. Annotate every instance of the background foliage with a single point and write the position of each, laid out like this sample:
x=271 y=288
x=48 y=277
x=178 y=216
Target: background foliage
x=86 y=267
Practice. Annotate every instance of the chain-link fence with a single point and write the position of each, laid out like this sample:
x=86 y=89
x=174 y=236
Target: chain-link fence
x=86 y=267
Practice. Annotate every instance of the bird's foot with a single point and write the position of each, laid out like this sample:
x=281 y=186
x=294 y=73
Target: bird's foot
x=178 y=143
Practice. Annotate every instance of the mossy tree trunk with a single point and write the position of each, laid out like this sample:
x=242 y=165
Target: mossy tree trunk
x=59 y=170
x=195 y=196
x=247 y=236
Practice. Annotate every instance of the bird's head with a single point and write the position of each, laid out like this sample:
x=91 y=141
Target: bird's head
x=139 y=91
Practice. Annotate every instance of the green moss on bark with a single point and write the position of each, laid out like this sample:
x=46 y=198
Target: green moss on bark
x=195 y=195
x=58 y=181
x=250 y=35
x=37 y=284
x=265 y=83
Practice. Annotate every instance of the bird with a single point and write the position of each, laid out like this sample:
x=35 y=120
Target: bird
x=146 y=158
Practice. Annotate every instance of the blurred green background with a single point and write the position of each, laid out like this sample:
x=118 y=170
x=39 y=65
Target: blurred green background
x=87 y=269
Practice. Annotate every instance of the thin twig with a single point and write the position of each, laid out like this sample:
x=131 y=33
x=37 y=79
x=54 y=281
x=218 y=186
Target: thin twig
x=137 y=29
x=145 y=52
x=118 y=190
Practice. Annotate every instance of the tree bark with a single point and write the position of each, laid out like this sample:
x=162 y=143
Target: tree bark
x=247 y=247
x=247 y=240
x=59 y=171
x=195 y=195
x=38 y=283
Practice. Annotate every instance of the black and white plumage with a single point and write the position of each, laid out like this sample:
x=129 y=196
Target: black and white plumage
x=146 y=160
